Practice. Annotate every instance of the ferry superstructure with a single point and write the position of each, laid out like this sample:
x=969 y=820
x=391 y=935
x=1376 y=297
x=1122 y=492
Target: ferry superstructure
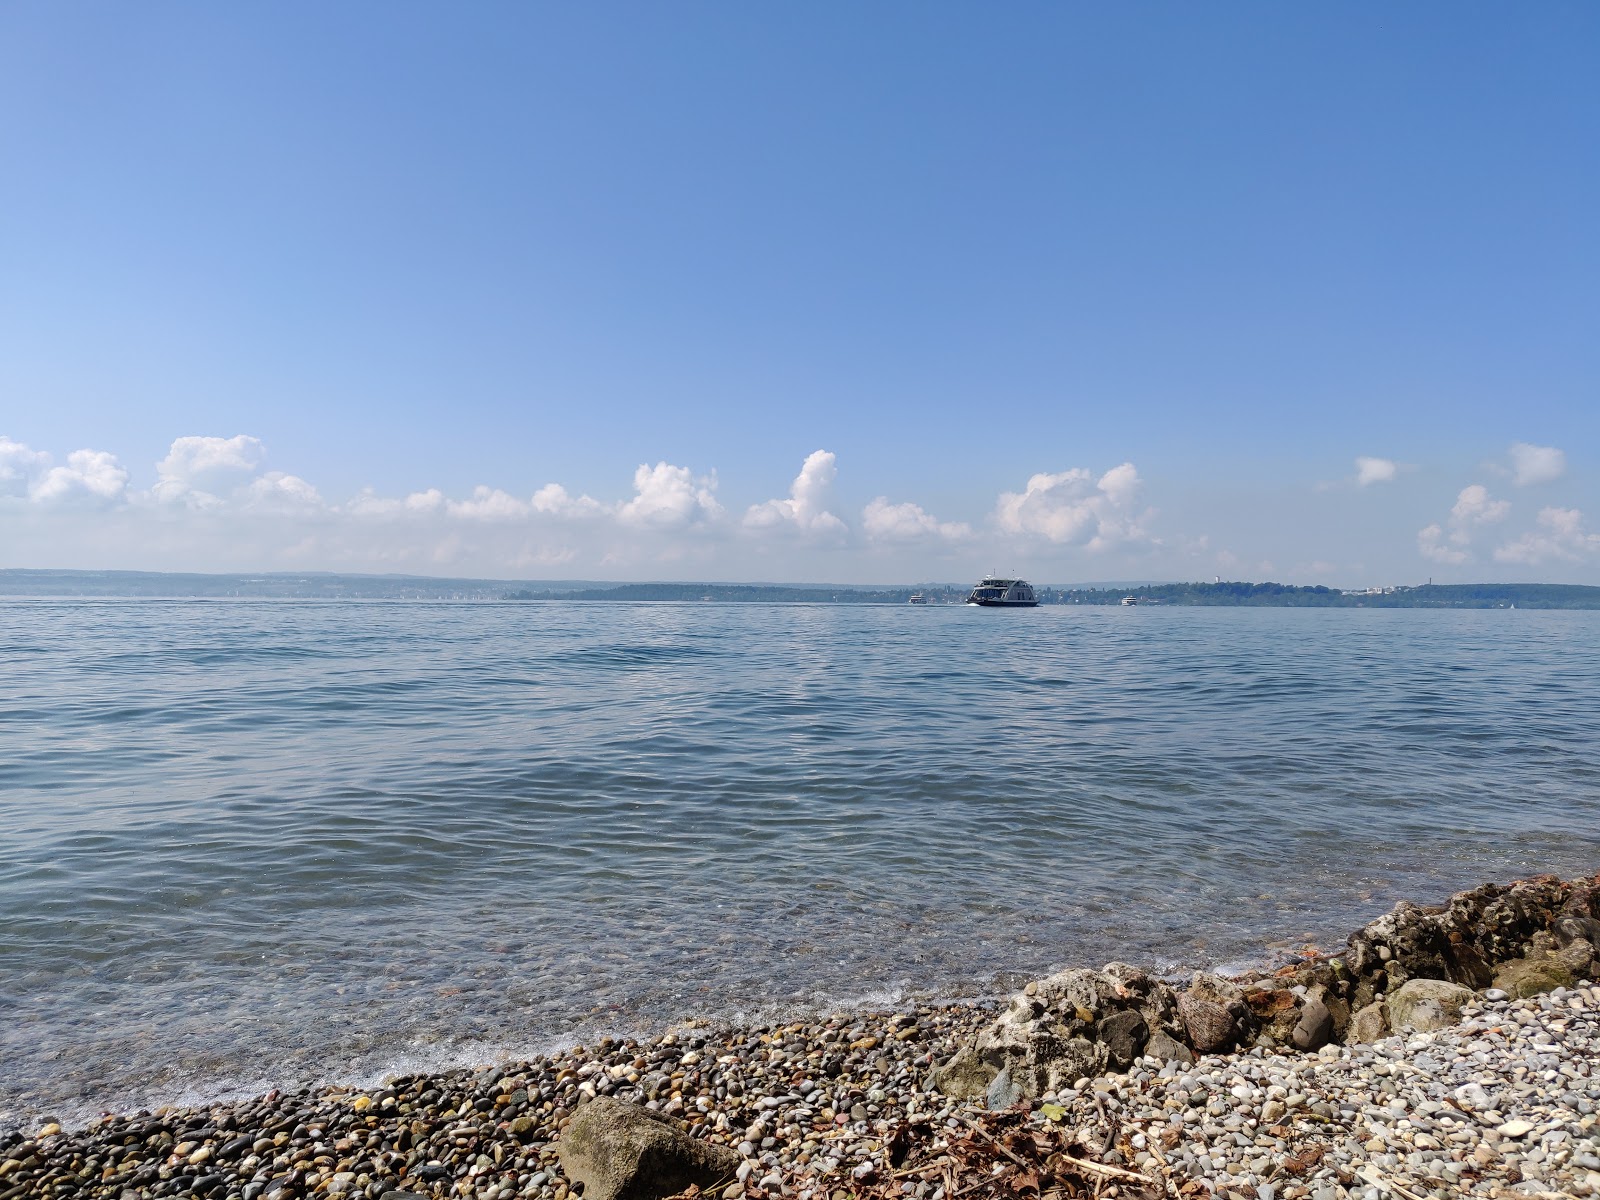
x=994 y=592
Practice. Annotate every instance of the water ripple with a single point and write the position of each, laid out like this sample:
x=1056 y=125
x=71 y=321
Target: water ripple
x=332 y=837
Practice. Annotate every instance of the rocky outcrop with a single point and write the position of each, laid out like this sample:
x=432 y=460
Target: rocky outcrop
x=627 y=1152
x=1414 y=967
x=1545 y=967
x=1069 y=1025
x=1464 y=940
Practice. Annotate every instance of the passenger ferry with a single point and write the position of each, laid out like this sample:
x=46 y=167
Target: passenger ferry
x=993 y=592
x=917 y=598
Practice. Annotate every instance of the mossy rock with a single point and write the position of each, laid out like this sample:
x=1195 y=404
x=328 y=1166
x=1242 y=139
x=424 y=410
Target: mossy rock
x=1522 y=977
x=624 y=1152
x=965 y=1077
x=1426 y=1004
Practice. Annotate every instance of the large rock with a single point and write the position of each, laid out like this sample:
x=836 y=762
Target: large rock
x=1215 y=1015
x=625 y=1152
x=1577 y=929
x=1368 y=1025
x=1072 y=1025
x=1580 y=958
x=1208 y=1025
x=1124 y=1035
x=1167 y=1048
x=1426 y=1004
x=1315 y=1027
x=1532 y=976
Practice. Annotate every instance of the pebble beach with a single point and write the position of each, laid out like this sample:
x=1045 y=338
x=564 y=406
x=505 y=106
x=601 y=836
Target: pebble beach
x=1502 y=1105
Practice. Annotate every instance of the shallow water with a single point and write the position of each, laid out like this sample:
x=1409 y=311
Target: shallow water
x=256 y=843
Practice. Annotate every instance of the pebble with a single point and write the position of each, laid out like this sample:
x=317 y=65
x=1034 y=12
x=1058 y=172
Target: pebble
x=1503 y=1105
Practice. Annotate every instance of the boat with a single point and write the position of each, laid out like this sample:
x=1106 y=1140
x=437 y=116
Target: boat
x=1129 y=601
x=917 y=598
x=994 y=592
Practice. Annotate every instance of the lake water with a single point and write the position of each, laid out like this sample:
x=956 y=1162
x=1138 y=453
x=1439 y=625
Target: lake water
x=255 y=843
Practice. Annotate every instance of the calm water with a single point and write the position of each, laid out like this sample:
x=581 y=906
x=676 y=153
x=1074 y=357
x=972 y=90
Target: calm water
x=245 y=844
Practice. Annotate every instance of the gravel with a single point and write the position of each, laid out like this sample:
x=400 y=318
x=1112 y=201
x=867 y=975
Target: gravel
x=1504 y=1104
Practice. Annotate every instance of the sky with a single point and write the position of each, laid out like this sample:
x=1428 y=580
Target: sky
x=894 y=292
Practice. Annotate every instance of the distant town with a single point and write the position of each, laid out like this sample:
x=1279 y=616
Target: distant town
x=318 y=586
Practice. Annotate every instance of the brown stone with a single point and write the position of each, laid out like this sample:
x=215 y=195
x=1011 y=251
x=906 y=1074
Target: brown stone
x=1368 y=1025
x=1209 y=1028
x=625 y=1152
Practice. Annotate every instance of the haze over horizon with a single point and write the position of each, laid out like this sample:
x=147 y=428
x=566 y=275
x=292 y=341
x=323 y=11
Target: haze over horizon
x=734 y=294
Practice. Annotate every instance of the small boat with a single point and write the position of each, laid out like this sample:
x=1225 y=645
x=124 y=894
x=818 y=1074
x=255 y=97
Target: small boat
x=993 y=592
x=917 y=598
x=1129 y=601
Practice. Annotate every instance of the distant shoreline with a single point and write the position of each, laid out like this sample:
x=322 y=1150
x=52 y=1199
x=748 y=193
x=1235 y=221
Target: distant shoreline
x=16 y=583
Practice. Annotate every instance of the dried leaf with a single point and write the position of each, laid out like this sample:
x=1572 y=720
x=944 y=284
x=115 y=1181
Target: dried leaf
x=1305 y=1160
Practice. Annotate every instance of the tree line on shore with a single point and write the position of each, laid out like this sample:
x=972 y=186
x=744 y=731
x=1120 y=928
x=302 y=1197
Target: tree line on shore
x=1218 y=594
x=15 y=582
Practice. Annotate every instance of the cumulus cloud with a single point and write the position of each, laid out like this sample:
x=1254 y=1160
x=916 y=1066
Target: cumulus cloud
x=488 y=504
x=1431 y=545
x=1448 y=543
x=91 y=478
x=20 y=467
x=369 y=504
x=200 y=471
x=1375 y=470
x=1558 y=536
x=1120 y=483
x=1474 y=506
x=666 y=496
x=278 y=492
x=884 y=521
x=806 y=508
x=1535 y=464
x=1073 y=508
x=554 y=500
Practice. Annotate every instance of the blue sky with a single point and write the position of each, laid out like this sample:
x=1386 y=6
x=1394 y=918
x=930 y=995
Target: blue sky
x=877 y=292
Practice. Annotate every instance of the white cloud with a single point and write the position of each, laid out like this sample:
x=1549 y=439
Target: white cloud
x=19 y=467
x=1072 y=508
x=554 y=499
x=278 y=492
x=486 y=504
x=1535 y=464
x=369 y=504
x=199 y=470
x=1431 y=545
x=429 y=501
x=1474 y=506
x=666 y=496
x=908 y=522
x=1120 y=483
x=1560 y=536
x=806 y=508
x=1375 y=470
x=91 y=477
